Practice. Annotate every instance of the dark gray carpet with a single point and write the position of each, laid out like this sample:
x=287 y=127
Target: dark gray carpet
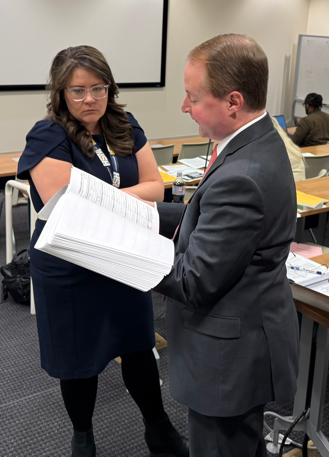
x=33 y=421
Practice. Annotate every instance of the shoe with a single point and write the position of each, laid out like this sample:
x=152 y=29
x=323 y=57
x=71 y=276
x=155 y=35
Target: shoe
x=83 y=444
x=163 y=440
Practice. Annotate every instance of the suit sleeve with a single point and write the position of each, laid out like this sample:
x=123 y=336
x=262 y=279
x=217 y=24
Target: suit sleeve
x=170 y=216
x=222 y=244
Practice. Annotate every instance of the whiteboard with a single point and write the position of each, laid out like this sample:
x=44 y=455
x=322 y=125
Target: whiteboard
x=312 y=69
x=130 y=33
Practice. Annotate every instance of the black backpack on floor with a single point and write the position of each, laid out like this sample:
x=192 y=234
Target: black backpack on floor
x=16 y=276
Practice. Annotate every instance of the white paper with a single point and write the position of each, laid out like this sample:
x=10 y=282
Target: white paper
x=308 y=154
x=322 y=287
x=305 y=278
x=103 y=194
x=185 y=170
x=196 y=162
x=101 y=228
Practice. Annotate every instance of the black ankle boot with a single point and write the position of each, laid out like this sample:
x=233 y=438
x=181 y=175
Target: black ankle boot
x=83 y=444
x=163 y=440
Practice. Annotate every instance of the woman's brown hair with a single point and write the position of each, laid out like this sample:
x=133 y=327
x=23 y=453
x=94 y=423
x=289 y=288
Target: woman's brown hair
x=115 y=125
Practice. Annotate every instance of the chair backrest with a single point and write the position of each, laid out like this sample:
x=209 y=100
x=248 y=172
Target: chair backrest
x=163 y=154
x=321 y=174
x=315 y=164
x=189 y=191
x=19 y=198
x=191 y=150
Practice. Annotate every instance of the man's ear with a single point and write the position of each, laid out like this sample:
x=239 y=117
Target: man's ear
x=236 y=101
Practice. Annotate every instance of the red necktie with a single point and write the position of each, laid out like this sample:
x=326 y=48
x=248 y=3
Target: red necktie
x=211 y=161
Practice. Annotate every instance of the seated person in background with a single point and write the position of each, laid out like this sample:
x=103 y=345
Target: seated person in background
x=294 y=153
x=313 y=129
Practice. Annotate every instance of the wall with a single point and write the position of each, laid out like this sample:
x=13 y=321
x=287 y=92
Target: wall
x=318 y=18
x=275 y=24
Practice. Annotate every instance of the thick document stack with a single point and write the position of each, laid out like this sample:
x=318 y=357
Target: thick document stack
x=92 y=224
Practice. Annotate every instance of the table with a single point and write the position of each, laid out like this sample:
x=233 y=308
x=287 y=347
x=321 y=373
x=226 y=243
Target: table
x=8 y=166
x=313 y=364
x=318 y=187
x=179 y=141
x=168 y=185
x=320 y=150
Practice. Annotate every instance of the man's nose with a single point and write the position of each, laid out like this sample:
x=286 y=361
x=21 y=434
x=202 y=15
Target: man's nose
x=185 y=105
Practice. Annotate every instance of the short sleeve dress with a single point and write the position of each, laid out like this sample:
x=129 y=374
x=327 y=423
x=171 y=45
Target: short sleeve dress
x=84 y=319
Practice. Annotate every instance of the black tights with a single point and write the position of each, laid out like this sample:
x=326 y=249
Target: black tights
x=141 y=377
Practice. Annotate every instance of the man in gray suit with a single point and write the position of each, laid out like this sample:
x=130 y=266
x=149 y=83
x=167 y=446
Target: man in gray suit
x=231 y=321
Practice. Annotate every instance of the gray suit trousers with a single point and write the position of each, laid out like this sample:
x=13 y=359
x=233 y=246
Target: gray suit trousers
x=235 y=436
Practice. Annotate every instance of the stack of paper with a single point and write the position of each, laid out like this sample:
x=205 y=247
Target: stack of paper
x=189 y=174
x=99 y=227
x=196 y=162
x=305 y=272
x=306 y=202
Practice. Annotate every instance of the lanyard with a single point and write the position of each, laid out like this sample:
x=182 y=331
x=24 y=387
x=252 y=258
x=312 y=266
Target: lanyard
x=113 y=167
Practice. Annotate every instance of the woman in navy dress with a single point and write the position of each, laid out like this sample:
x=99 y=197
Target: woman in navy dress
x=86 y=319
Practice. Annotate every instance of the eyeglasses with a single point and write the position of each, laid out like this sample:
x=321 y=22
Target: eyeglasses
x=78 y=94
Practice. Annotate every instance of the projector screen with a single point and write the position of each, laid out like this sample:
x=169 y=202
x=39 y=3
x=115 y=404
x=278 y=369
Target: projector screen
x=132 y=35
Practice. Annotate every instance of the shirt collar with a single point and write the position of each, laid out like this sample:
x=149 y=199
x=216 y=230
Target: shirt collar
x=222 y=144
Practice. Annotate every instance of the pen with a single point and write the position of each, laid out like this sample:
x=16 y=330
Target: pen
x=309 y=271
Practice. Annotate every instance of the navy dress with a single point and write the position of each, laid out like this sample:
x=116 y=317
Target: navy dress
x=84 y=319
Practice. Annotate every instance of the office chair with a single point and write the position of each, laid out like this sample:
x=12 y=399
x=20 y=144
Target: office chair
x=18 y=198
x=10 y=238
x=163 y=154
x=322 y=174
x=192 y=150
x=315 y=164
x=189 y=191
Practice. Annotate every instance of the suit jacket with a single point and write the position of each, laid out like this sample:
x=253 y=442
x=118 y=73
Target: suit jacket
x=231 y=322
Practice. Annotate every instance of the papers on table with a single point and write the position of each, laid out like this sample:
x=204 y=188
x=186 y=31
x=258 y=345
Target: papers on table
x=308 y=154
x=166 y=177
x=306 y=202
x=188 y=173
x=305 y=250
x=305 y=272
x=197 y=162
x=15 y=159
x=321 y=287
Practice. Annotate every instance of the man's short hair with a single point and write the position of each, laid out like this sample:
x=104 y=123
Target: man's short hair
x=314 y=100
x=234 y=63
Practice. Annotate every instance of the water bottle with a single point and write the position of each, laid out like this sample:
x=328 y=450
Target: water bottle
x=178 y=189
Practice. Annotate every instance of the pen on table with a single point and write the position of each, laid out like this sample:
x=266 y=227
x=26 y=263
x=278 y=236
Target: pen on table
x=316 y=272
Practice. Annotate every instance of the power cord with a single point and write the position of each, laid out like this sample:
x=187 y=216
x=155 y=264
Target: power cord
x=292 y=426
x=281 y=437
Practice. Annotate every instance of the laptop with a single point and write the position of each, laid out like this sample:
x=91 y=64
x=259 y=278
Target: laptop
x=282 y=122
